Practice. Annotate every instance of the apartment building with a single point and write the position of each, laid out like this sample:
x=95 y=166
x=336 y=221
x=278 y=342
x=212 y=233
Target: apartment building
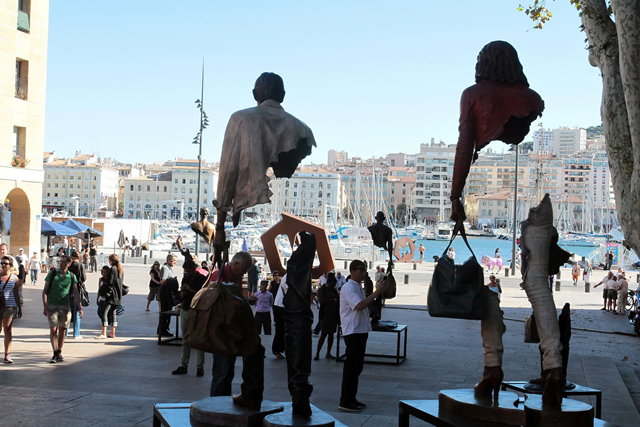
x=562 y=141
x=170 y=193
x=82 y=187
x=434 y=171
x=337 y=157
x=311 y=192
x=23 y=83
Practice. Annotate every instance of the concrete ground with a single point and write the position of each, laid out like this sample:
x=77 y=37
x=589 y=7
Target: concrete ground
x=115 y=382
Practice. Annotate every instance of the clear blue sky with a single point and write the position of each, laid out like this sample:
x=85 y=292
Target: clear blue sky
x=369 y=77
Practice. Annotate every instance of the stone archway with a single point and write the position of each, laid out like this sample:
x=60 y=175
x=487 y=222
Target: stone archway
x=20 y=231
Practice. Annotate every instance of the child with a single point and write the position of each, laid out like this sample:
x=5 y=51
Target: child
x=264 y=301
x=100 y=300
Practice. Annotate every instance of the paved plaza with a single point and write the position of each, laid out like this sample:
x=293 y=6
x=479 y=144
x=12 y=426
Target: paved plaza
x=115 y=382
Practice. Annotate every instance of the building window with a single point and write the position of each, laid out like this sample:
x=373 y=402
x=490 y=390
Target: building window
x=148 y=188
x=131 y=187
x=165 y=188
x=175 y=181
x=22 y=78
x=184 y=181
x=139 y=188
x=20 y=142
x=55 y=194
x=190 y=200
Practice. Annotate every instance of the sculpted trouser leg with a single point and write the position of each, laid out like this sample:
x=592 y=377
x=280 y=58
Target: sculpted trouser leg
x=253 y=375
x=492 y=328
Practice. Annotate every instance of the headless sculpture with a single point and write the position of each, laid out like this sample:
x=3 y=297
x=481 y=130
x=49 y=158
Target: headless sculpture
x=298 y=320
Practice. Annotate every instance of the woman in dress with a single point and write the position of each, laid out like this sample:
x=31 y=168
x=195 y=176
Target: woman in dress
x=10 y=287
x=154 y=285
x=330 y=303
x=114 y=280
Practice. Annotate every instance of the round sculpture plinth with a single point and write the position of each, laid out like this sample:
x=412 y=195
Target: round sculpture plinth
x=220 y=411
x=465 y=403
x=569 y=413
x=285 y=418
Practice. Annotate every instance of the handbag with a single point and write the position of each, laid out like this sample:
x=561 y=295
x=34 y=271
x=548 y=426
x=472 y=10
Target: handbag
x=391 y=288
x=125 y=289
x=456 y=290
x=221 y=321
x=3 y=300
x=531 y=329
x=84 y=295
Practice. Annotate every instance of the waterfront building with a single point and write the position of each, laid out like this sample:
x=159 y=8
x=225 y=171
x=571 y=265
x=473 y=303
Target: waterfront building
x=434 y=171
x=80 y=186
x=562 y=141
x=23 y=48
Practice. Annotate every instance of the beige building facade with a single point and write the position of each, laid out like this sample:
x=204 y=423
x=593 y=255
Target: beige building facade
x=23 y=78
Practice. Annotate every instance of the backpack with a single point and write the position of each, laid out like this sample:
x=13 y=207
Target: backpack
x=221 y=321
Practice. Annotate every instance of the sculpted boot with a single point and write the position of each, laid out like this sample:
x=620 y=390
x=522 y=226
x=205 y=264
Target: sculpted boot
x=554 y=381
x=490 y=381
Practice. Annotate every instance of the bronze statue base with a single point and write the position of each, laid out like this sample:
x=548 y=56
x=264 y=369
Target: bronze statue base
x=220 y=411
x=536 y=385
x=569 y=413
x=286 y=418
x=465 y=402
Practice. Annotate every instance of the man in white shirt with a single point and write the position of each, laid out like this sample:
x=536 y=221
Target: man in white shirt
x=623 y=292
x=340 y=280
x=605 y=290
x=356 y=324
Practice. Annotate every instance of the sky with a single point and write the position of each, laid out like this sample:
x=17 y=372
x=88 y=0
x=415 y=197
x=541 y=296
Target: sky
x=369 y=77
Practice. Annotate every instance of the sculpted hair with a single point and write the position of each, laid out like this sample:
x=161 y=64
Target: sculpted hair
x=269 y=86
x=498 y=62
x=242 y=257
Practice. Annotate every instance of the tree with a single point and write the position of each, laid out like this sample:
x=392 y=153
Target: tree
x=120 y=211
x=524 y=147
x=400 y=213
x=613 y=35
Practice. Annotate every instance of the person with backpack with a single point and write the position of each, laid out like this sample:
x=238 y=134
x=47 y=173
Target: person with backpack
x=58 y=285
x=78 y=270
x=12 y=308
x=112 y=293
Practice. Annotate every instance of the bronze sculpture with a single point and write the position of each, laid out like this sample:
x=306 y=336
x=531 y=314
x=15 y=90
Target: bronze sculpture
x=500 y=106
x=382 y=236
x=255 y=139
x=203 y=227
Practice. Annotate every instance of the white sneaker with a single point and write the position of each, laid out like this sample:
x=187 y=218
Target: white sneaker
x=79 y=337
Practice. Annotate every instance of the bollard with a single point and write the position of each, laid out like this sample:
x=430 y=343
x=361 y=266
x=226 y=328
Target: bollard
x=415 y=266
x=506 y=272
x=557 y=285
x=145 y=260
x=285 y=262
x=124 y=257
x=559 y=275
x=587 y=287
x=637 y=277
x=150 y=254
x=406 y=279
x=346 y=265
x=370 y=265
x=582 y=259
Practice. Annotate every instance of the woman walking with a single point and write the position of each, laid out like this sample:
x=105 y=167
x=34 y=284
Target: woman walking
x=154 y=285
x=76 y=268
x=10 y=286
x=34 y=268
x=330 y=303
x=113 y=296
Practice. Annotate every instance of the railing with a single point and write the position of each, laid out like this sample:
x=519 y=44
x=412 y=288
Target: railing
x=21 y=88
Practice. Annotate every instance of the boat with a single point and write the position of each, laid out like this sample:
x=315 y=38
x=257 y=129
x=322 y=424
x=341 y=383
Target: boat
x=443 y=231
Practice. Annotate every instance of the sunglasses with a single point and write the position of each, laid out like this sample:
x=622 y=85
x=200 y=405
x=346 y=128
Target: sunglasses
x=5 y=263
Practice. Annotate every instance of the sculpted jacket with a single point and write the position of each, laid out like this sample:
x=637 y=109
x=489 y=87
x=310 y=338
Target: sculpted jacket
x=491 y=111
x=255 y=139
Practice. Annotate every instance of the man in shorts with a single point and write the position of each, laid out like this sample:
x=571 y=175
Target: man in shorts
x=605 y=290
x=55 y=298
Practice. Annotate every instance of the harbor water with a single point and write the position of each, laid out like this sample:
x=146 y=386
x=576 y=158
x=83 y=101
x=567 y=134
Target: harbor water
x=481 y=246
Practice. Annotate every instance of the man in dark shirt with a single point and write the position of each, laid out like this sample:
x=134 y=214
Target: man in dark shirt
x=192 y=282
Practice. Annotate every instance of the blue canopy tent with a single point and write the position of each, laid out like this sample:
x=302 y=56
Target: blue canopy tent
x=50 y=228
x=81 y=229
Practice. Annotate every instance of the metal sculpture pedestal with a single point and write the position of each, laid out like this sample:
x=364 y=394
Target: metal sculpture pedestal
x=220 y=411
x=285 y=418
x=464 y=401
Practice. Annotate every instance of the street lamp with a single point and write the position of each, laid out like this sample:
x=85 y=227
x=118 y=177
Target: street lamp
x=204 y=123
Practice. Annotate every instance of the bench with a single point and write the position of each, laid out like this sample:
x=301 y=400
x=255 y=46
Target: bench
x=399 y=357
x=170 y=340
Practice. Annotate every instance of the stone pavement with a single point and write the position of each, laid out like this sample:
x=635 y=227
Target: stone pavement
x=116 y=381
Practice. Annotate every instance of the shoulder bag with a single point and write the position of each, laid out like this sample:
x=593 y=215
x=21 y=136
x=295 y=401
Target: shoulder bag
x=456 y=290
x=3 y=300
x=221 y=320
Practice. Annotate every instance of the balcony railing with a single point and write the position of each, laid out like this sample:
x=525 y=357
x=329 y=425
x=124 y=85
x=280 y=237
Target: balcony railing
x=21 y=88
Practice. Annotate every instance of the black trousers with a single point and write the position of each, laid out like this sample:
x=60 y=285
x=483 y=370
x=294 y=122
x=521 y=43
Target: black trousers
x=164 y=295
x=252 y=375
x=263 y=321
x=354 y=362
x=278 y=345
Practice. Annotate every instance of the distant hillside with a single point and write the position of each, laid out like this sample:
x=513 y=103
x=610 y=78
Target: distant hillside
x=594 y=131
